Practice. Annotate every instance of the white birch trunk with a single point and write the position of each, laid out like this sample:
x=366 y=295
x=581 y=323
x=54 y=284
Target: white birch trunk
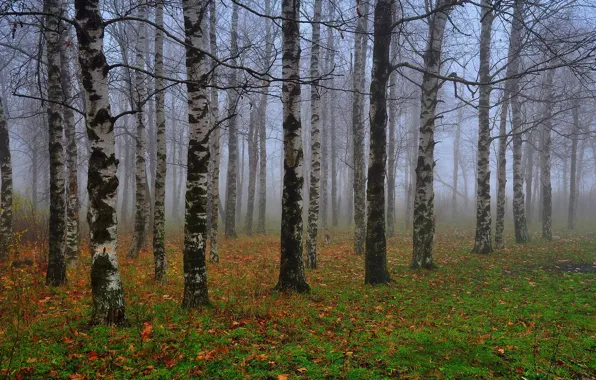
x=424 y=221
x=199 y=120
x=291 y=270
x=159 y=216
x=315 y=136
x=108 y=295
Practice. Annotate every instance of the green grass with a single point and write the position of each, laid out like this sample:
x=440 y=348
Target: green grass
x=510 y=314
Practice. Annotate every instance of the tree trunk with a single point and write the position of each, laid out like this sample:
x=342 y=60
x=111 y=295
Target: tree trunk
x=108 y=296
x=375 y=262
x=456 y=149
x=393 y=116
x=159 y=218
x=291 y=270
x=424 y=220
x=214 y=138
x=529 y=175
x=413 y=150
x=72 y=205
x=315 y=136
x=545 y=159
x=231 y=184
x=6 y=219
x=519 y=212
x=195 y=229
x=140 y=232
x=572 y=213
x=332 y=127
x=263 y=126
x=502 y=173
x=56 y=271
x=358 y=128
x=252 y=169
x=483 y=239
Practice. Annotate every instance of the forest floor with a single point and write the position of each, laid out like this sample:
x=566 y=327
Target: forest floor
x=528 y=311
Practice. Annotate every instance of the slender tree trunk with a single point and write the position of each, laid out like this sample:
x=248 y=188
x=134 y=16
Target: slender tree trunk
x=483 y=240
x=6 y=219
x=545 y=159
x=240 y=182
x=358 y=128
x=502 y=174
x=214 y=138
x=232 y=173
x=72 y=205
x=456 y=148
x=529 y=174
x=252 y=169
x=412 y=159
x=141 y=205
x=159 y=218
x=263 y=126
x=393 y=116
x=291 y=270
x=195 y=228
x=571 y=216
x=315 y=136
x=56 y=271
x=424 y=220
x=108 y=296
x=519 y=214
x=375 y=262
x=332 y=127
x=34 y=175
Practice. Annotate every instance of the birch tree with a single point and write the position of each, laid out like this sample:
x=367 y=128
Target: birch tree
x=483 y=239
x=291 y=269
x=330 y=58
x=232 y=173
x=519 y=212
x=72 y=201
x=393 y=116
x=359 y=81
x=195 y=225
x=424 y=221
x=159 y=249
x=215 y=136
x=375 y=262
x=572 y=212
x=252 y=169
x=56 y=271
x=502 y=167
x=141 y=193
x=6 y=219
x=315 y=136
x=108 y=295
x=545 y=158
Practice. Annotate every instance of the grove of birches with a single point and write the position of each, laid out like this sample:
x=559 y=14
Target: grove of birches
x=125 y=124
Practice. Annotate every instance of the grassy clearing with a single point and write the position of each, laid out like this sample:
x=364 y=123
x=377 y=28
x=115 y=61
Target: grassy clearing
x=518 y=313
